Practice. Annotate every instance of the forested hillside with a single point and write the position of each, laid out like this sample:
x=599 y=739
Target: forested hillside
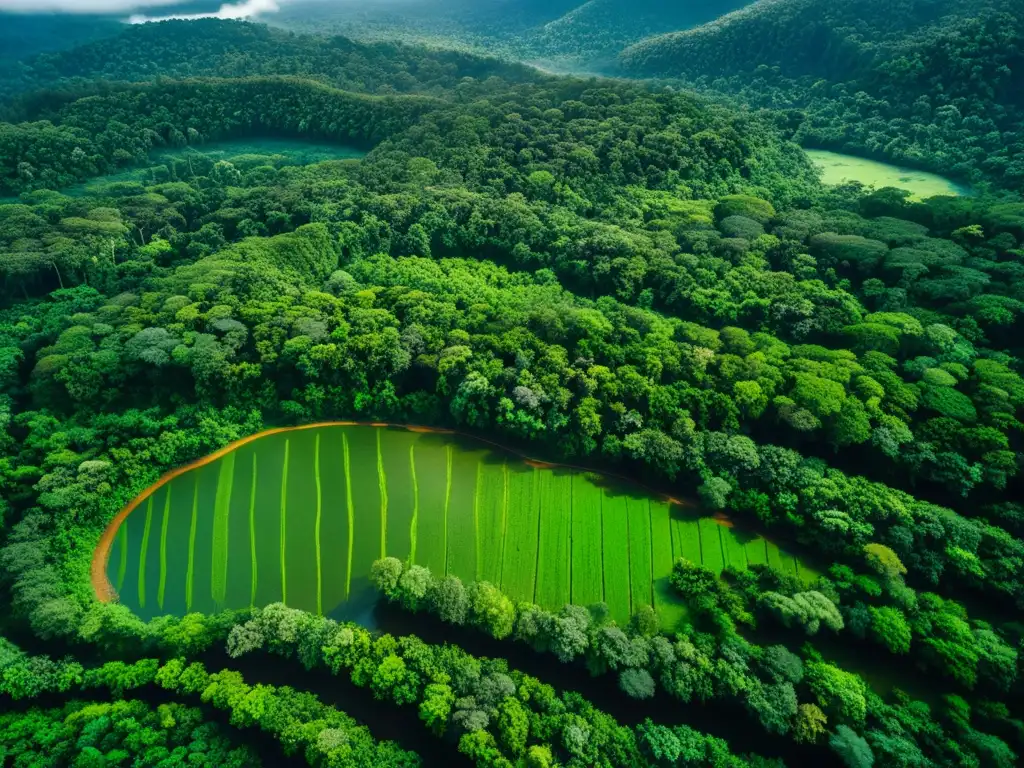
x=490 y=27
x=599 y=29
x=933 y=84
x=209 y=48
x=565 y=33
x=794 y=411
x=930 y=84
x=25 y=35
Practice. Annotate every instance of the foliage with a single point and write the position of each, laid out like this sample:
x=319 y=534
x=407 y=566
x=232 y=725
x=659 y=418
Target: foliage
x=97 y=733
x=612 y=273
x=303 y=725
x=931 y=84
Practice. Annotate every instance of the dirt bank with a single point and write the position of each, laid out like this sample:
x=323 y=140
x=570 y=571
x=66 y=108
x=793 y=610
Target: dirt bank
x=105 y=591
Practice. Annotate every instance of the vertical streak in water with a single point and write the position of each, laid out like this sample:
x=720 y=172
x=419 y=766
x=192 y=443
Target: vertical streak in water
x=415 y=504
x=650 y=520
x=319 y=507
x=382 y=481
x=476 y=519
x=122 y=564
x=447 y=499
x=252 y=532
x=629 y=560
x=284 y=520
x=504 y=521
x=163 y=549
x=192 y=544
x=221 y=520
x=540 y=511
x=142 y=552
x=350 y=510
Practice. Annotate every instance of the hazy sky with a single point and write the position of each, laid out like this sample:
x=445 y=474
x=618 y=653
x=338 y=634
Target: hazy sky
x=83 y=6
x=157 y=8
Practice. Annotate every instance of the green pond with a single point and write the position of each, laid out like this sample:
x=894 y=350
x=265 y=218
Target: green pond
x=300 y=515
x=838 y=169
x=286 y=151
x=245 y=153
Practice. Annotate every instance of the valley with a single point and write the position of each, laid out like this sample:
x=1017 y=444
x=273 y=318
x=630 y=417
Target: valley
x=369 y=397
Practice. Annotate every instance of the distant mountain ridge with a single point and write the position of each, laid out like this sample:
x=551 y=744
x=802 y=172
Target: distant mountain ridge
x=23 y=35
x=930 y=83
x=935 y=84
x=236 y=49
x=804 y=37
x=582 y=30
x=604 y=27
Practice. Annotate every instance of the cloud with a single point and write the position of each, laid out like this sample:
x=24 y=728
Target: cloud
x=82 y=6
x=241 y=10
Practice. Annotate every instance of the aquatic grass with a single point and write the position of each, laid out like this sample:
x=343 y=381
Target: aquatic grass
x=757 y=552
x=669 y=608
x=540 y=520
x=776 y=559
x=142 y=552
x=221 y=519
x=804 y=572
x=549 y=545
x=477 y=493
x=553 y=589
x=587 y=586
x=781 y=560
x=382 y=481
x=640 y=554
x=568 y=541
x=462 y=543
x=316 y=535
x=284 y=521
x=686 y=540
x=838 y=168
x=415 y=504
x=162 y=586
x=519 y=560
x=350 y=510
x=122 y=563
x=712 y=553
x=447 y=499
x=732 y=547
x=615 y=556
x=252 y=534
x=428 y=499
x=192 y=545
x=489 y=518
x=504 y=519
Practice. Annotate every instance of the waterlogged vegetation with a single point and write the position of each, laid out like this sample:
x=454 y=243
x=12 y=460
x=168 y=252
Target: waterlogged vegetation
x=167 y=165
x=298 y=517
x=837 y=168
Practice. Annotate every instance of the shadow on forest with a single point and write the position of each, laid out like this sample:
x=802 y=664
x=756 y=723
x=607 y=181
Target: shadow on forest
x=728 y=721
x=386 y=721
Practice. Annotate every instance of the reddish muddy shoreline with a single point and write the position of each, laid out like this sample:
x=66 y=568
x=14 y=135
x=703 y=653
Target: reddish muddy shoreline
x=106 y=593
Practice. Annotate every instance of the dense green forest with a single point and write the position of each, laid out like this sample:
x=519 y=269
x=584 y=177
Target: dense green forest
x=933 y=84
x=23 y=36
x=565 y=34
x=637 y=279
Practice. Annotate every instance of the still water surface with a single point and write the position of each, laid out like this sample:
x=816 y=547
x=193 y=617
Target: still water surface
x=838 y=169
x=300 y=515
